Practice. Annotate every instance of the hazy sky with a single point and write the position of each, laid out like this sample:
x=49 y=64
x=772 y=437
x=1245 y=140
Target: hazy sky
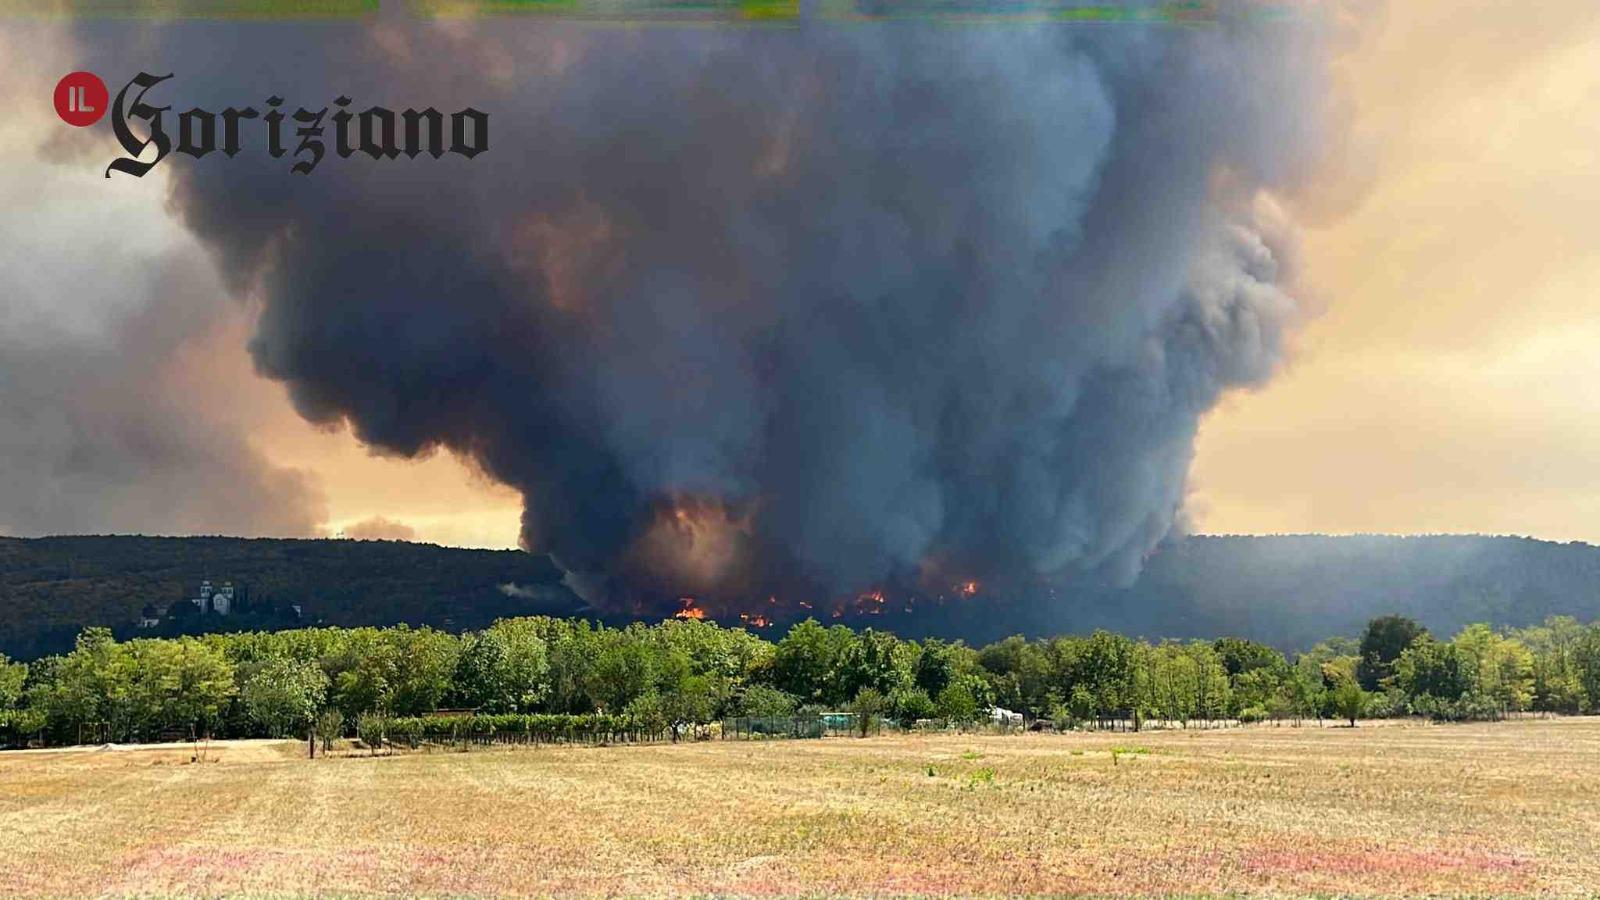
x=1450 y=382
x=1447 y=383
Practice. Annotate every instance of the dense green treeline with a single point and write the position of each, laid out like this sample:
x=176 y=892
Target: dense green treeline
x=680 y=674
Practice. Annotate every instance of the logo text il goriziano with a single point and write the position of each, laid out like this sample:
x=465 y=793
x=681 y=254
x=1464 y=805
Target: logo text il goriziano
x=81 y=99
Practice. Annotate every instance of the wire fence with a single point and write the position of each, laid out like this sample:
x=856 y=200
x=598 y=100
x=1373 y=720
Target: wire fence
x=746 y=728
x=750 y=728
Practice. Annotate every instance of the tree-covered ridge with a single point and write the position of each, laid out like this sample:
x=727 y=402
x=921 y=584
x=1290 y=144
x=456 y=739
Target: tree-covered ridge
x=1287 y=591
x=51 y=588
x=685 y=673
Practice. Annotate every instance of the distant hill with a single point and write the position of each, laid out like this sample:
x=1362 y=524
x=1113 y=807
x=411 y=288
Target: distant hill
x=52 y=587
x=1290 y=591
x=1294 y=590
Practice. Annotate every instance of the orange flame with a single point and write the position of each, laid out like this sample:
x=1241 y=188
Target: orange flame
x=755 y=621
x=689 y=610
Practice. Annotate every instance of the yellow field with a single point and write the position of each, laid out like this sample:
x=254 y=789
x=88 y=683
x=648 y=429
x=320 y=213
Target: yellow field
x=1483 y=809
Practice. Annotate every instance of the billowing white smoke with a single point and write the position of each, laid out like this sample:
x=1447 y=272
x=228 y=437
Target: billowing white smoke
x=778 y=311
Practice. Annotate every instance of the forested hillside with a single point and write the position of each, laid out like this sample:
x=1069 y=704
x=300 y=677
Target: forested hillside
x=1292 y=591
x=52 y=587
x=1287 y=591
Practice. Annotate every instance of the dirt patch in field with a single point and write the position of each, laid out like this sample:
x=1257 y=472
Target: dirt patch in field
x=121 y=755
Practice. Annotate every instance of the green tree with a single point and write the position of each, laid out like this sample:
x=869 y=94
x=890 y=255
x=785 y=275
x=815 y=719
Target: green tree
x=284 y=695
x=329 y=727
x=12 y=677
x=1106 y=665
x=1299 y=696
x=877 y=660
x=1586 y=660
x=15 y=723
x=868 y=705
x=959 y=702
x=181 y=684
x=1434 y=669
x=649 y=711
x=1240 y=656
x=1553 y=646
x=1382 y=643
x=423 y=662
x=1501 y=667
x=764 y=700
x=1019 y=674
x=1213 y=695
x=693 y=701
x=372 y=729
x=1256 y=689
x=806 y=662
x=503 y=669
x=626 y=669
x=1350 y=700
x=573 y=648
x=731 y=655
x=908 y=704
x=362 y=673
x=90 y=688
x=937 y=663
x=1176 y=677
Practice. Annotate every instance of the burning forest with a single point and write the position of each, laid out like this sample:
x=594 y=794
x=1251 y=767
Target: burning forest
x=848 y=320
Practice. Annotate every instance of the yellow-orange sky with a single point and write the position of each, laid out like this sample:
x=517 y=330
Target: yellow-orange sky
x=437 y=499
x=1448 y=384
x=1451 y=382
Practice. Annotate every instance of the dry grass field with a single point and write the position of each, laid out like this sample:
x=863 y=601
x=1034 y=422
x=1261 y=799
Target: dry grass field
x=1509 y=808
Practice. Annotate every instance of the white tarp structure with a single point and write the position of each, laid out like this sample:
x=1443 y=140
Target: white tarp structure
x=1004 y=716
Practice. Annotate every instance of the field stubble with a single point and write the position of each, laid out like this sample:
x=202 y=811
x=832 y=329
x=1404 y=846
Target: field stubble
x=1505 y=808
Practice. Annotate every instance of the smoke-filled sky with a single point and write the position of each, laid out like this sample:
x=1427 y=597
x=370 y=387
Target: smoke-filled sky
x=746 y=309
x=1448 y=383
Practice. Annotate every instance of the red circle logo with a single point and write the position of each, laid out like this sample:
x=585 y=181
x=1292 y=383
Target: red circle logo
x=81 y=99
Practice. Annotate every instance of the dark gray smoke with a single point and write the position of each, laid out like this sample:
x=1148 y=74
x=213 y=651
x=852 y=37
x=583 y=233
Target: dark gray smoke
x=778 y=311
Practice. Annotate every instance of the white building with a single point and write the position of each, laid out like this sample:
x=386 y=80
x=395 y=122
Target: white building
x=218 y=600
x=222 y=599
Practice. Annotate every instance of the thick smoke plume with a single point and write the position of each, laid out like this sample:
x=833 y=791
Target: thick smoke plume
x=750 y=312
